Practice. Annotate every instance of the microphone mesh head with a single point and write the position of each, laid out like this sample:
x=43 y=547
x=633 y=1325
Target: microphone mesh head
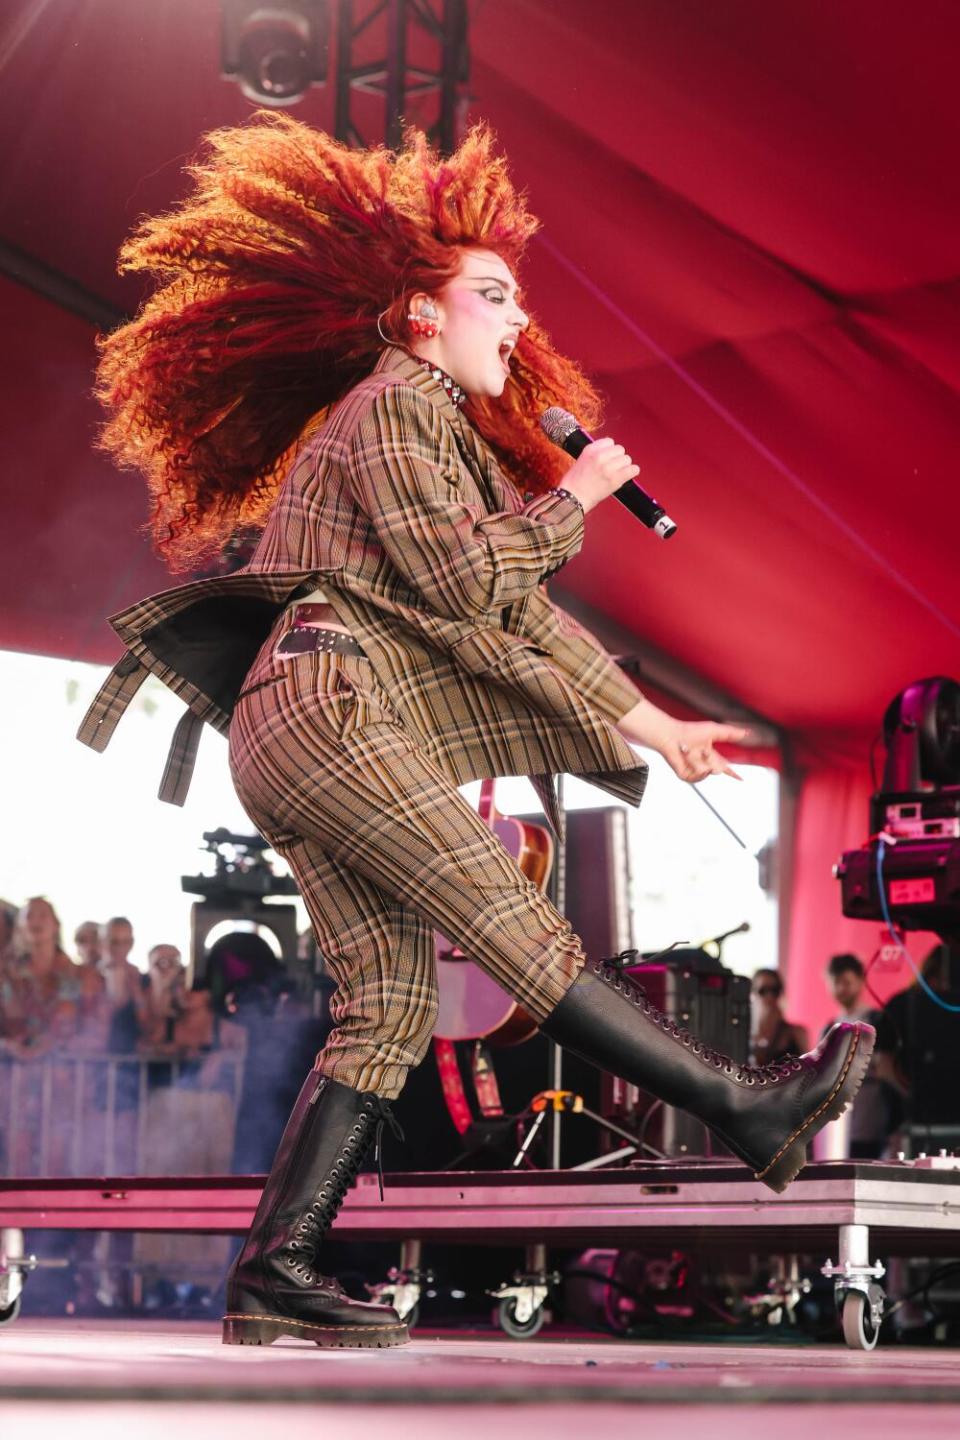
x=557 y=424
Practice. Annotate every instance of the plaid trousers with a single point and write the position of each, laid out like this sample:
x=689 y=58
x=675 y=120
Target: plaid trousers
x=384 y=849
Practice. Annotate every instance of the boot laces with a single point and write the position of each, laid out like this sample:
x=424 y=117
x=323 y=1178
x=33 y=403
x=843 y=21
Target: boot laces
x=611 y=971
x=317 y=1220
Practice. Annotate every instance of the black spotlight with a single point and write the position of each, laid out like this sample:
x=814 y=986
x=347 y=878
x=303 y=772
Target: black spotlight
x=921 y=730
x=276 y=52
x=915 y=815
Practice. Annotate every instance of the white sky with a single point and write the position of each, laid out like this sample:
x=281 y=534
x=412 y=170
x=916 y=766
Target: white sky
x=87 y=830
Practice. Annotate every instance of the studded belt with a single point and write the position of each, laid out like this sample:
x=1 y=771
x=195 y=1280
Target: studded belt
x=310 y=636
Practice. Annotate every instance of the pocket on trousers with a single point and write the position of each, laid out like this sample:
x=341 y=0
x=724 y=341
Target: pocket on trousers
x=340 y=693
x=336 y=694
x=365 y=702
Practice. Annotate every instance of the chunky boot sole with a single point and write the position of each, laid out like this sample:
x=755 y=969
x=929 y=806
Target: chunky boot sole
x=606 y=1018
x=264 y=1329
x=792 y=1156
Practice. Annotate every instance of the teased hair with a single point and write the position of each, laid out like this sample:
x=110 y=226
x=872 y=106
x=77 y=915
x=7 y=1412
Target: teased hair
x=269 y=280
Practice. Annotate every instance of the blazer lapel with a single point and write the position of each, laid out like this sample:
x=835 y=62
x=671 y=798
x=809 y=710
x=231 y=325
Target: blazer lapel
x=501 y=496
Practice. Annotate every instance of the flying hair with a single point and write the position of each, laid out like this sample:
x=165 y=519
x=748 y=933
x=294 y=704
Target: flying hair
x=269 y=279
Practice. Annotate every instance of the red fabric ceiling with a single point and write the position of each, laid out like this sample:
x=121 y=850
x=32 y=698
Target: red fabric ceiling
x=750 y=214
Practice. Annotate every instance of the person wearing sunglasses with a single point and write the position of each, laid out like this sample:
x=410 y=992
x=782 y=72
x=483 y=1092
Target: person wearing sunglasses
x=773 y=1035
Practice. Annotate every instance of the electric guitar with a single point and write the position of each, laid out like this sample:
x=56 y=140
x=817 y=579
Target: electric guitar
x=472 y=1006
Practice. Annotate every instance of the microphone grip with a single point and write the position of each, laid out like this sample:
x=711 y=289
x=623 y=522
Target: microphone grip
x=647 y=510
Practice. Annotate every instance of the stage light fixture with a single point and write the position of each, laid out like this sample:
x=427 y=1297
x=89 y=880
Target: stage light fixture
x=913 y=881
x=275 y=52
x=921 y=730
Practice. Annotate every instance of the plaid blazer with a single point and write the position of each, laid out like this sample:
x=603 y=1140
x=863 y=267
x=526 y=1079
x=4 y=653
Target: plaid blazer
x=399 y=510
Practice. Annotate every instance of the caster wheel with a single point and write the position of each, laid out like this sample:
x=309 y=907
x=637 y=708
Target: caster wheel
x=518 y=1329
x=859 y=1331
x=8 y=1315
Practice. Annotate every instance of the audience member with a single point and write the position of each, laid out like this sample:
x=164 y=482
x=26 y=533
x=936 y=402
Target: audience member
x=163 y=1001
x=87 y=943
x=175 y=1019
x=872 y=1115
x=94 y=1008
x=40 y=991
x=8 y=923
x=124 y=985
x=774 y=1036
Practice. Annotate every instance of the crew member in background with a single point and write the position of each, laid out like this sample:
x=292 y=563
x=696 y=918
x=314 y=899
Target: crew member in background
x=873 y=1111
x=918 y=1051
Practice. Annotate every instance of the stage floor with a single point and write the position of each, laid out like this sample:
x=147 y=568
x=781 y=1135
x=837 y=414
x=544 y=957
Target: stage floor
x=152 y=1379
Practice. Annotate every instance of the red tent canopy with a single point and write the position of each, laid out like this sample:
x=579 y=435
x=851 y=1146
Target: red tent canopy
x=750 y=220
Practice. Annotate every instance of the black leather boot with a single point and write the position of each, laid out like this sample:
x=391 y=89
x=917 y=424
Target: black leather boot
x=273 y=1287
x=765 y=1114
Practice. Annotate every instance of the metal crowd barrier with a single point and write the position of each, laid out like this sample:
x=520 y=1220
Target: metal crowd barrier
x=75 y=1114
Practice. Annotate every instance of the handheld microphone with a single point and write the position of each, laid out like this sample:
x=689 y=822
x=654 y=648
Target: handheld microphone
x=562 y=428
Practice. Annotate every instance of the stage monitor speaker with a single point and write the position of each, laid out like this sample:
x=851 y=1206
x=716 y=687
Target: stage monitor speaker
x=698 y=992
x=597 y=900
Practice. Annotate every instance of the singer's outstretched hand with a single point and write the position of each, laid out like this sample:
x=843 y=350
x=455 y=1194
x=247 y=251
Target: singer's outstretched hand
x=686 y=745
x=600 y=470
x=690 y=754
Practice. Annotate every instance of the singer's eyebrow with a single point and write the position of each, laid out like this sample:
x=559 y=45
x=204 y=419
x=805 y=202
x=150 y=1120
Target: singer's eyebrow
x=504 y=284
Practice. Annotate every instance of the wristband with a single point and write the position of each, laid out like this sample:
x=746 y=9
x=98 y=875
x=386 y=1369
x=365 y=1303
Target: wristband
x=559 y=490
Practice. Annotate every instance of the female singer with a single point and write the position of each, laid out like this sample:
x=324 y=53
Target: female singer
x=338 y=352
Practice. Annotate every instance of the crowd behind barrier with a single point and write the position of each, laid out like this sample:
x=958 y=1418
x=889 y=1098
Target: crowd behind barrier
x=107 y=1070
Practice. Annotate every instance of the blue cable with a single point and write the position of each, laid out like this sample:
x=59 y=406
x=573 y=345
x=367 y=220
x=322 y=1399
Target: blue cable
x=944 y=1005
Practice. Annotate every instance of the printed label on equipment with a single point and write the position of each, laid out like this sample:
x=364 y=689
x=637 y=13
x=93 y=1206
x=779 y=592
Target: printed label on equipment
x=912 y=892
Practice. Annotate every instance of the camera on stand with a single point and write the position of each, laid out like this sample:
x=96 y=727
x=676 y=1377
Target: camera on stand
x=914 y=879
x=908 y=876
x=240 y=889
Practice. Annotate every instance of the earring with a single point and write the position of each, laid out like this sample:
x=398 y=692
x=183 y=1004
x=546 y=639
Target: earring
x=426 y=322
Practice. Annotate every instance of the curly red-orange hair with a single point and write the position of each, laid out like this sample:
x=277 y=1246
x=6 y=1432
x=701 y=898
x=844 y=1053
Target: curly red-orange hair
x=270 y=277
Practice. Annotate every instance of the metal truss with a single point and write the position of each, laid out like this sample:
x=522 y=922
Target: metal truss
x=391 y=29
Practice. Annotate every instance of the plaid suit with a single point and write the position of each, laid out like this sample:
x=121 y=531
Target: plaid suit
x=349 y=765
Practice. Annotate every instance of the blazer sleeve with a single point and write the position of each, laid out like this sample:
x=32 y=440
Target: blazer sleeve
x=592 y=671
x=405 y=473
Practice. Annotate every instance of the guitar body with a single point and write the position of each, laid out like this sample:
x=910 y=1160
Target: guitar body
x=472 y=1006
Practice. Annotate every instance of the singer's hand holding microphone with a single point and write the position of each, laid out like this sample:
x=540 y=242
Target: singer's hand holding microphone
x=603 y=468
x=600 y=471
